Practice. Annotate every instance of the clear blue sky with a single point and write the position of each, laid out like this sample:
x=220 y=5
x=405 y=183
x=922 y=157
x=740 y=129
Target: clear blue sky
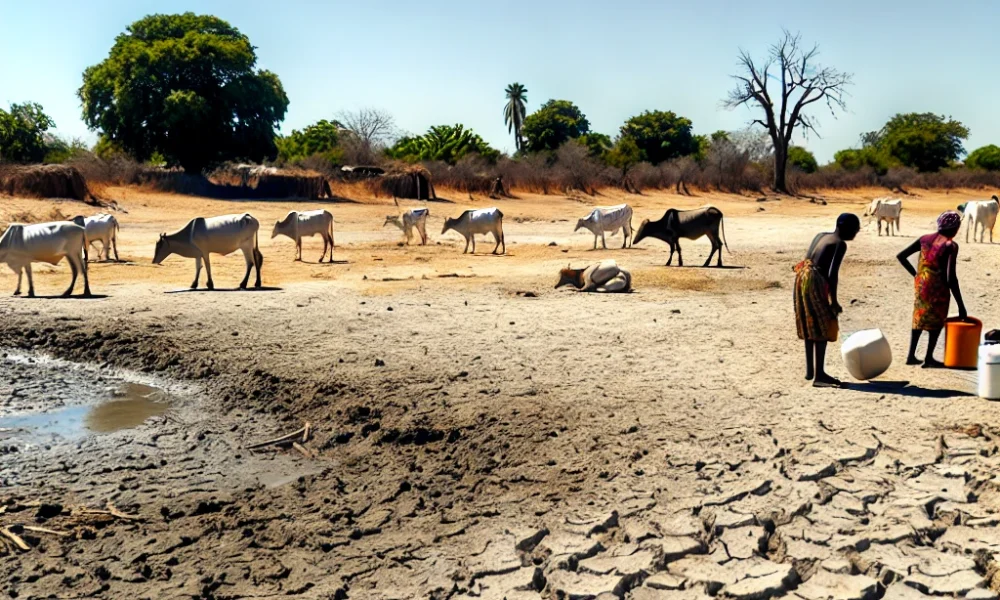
x=448 y=61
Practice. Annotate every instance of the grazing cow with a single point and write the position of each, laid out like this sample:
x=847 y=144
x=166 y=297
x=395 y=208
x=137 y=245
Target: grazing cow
x=298 y=225
x=888 y=210
x=414 y=217
x=102 y=228
x=980 y=213
x=482 y=221
x=22 y=245
x=605 y=276
x=608 y=218
x=214 y=235
x=688 y=224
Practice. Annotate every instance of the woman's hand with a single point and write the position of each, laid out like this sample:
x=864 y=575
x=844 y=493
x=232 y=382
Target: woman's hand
x=962 y=313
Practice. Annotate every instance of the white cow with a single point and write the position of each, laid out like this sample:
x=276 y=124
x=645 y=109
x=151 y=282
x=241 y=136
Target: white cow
x=981 y=213
x=888 y=210
x=608 y=218
x=414 y=217
x=102 y=228
x=22 y=245
x=214 y=235
x=298 y=225
x=481 y=221
x=605 y=276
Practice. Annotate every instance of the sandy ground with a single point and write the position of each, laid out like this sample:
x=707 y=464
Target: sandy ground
x=475 y=440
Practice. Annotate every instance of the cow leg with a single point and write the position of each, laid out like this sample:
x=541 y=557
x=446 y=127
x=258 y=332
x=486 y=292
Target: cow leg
x=332 y=246
x=624 y=239
x=19 y=271
x=473 y=238
x=208 y=272
x=671 y=259
x=298 y=249
x=72 y=282
x=114 y=243
x=248 y=257
x=325 y=243
x=197 y=272
x=680 y=257
x=496 y=237
x=503 y=242
x=31 y=281
x=466 y=246
x=604 y=243
x=86 y=279
x=259 y=261
x=708 y=260
x=595 y=241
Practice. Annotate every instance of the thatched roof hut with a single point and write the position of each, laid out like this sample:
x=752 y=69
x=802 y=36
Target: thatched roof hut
x=257 y=181
x=44 y=181
x=413 y=182
x=361 y=171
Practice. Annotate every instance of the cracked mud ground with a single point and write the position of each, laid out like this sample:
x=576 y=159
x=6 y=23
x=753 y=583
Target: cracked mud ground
x=475 y=442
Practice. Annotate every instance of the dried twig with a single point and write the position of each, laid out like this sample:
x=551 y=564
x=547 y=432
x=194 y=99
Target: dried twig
x=117 y=513
x=285 y=439
x=306 y=431
x=15 y=538
x=48 y=531
x=303 y=450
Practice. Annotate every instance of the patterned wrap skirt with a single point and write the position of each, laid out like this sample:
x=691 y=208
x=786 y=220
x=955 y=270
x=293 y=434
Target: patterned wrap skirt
x=815 y=319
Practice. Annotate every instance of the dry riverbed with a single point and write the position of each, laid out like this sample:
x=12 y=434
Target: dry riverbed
x=475 y=433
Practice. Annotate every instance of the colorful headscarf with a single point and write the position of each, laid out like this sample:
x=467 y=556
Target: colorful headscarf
x=949 y=220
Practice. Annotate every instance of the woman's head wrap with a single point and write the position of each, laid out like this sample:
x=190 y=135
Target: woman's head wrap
x=949 y=220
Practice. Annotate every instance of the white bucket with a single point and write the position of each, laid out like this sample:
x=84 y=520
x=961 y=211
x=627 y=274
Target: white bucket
x=989 y=371
x=867 y=354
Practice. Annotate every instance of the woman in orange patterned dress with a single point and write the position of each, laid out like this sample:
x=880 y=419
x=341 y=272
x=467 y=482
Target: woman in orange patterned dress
x=934 y=281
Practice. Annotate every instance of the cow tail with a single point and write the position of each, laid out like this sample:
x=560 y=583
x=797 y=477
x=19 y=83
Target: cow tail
x=722 y=223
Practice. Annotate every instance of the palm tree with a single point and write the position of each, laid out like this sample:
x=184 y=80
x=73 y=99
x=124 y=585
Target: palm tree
x=514 y=111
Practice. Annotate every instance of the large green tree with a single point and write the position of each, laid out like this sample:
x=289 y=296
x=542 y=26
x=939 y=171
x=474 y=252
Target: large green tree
x=514 y=112
x=660 y=135
x=23 y=133
x=447 y=143
x=802 y=159
x=320 y=138
x=987 y=157
x=186 y=87
x=552 y=125
x=924 y=141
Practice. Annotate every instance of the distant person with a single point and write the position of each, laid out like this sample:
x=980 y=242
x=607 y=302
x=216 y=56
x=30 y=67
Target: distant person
x=816 y=305
x=935 y=280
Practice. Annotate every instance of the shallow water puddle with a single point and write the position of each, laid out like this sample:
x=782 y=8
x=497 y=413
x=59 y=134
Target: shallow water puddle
x=52 y=398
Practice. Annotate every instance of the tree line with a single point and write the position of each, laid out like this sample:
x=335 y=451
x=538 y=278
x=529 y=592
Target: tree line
x=185 y=91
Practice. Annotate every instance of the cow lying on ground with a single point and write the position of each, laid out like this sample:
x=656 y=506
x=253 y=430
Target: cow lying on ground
x=22 y=245
x=688 y=224
x=980 y=214
x=888 y=210
x=298 y=225
x=102 y=228
x=482 y=221
x=605 y=276
x=214 y=235
x=608 y=218
x=410 y=219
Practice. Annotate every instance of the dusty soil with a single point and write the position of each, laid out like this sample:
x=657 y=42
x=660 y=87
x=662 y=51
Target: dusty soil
x=472 y=439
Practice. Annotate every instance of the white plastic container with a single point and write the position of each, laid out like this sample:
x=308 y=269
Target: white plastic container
x=867 y=354
x=989 y=371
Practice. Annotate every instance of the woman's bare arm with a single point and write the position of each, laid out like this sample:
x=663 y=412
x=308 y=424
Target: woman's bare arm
x=904 y=257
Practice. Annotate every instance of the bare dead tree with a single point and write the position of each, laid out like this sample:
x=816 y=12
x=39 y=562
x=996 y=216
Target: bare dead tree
x=373 y=129
x=802 y=83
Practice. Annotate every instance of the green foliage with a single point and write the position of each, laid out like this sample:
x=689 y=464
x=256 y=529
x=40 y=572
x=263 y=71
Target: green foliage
x=58 y=150
x=987 y=157
x=514 y=112
x=185 y=86
x=853 y=159
x=319 y=139
x=552 y=125
x=625 y=154
x=802 y=159
x=661 y=135
x=597 y=144
x=447 y=143
x=22 y=133
x=924 y=141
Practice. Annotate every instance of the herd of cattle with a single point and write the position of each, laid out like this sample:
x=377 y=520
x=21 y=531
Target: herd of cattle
x=23 y=244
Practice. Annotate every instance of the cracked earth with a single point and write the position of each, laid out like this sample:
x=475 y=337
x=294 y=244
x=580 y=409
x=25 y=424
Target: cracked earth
x=470 y=440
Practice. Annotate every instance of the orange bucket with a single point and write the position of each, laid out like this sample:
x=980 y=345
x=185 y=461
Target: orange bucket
x=961 y=342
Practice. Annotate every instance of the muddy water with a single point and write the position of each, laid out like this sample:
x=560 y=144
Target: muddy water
x=42 y=399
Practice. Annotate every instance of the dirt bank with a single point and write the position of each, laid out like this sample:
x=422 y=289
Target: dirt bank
x=472 y=440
